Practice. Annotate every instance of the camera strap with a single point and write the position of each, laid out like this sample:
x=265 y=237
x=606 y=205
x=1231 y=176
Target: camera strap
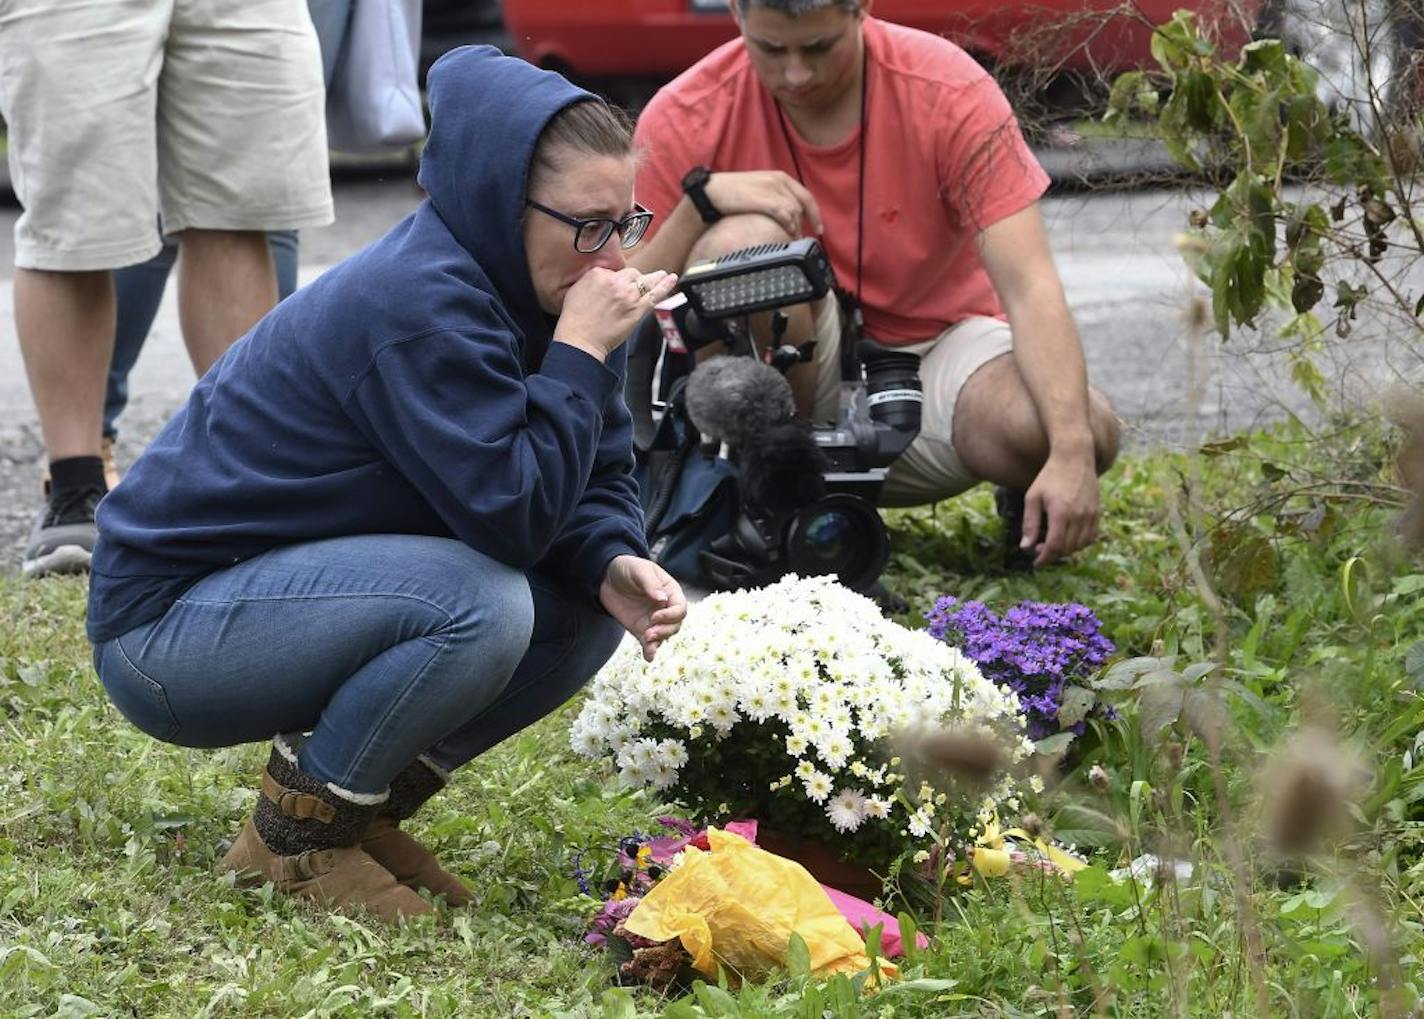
x=850 y=303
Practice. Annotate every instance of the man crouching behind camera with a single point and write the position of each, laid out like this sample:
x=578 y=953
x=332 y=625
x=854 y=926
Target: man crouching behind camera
x=903 y=155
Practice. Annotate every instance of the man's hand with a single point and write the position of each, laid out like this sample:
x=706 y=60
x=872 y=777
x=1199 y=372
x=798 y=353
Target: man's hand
x=769 y=192
x=1066 y=492
x=645 y=599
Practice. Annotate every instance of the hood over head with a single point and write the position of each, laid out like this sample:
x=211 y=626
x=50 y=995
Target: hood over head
x=487 y=111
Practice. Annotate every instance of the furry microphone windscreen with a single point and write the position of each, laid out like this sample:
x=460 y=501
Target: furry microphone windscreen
x=748 y=405
x=736 y=399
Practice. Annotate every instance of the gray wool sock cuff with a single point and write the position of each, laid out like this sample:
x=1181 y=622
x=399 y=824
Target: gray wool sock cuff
x=416 y=783
x=286 y=835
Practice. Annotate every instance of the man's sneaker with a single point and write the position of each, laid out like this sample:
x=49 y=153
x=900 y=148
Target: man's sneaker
x=1009 y=502
x=64 y=533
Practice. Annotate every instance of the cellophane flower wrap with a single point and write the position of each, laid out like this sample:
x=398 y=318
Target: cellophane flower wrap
x=782 y=703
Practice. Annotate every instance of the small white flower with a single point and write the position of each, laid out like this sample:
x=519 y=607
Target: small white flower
x=835 y=749
x=919 y=825
x=795 y=745
x=923 y=856
x=722 y=716
x=818 y=786
x=805 y=769
x=877 y=807
x=671 y=754
x=847 y=811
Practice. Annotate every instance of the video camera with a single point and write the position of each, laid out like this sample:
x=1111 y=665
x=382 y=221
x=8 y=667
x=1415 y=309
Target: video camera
x=806 y=494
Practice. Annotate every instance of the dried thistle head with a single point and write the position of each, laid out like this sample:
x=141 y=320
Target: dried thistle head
x=1175 y=752
x=1033 y=826
x=971 y=756
x=1099 y=778
x=1405 y=408
x=1197 y=316
x=1307 y=789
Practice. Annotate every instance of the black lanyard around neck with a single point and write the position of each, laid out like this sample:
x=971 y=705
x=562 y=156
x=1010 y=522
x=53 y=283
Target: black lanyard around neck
x=860 y=210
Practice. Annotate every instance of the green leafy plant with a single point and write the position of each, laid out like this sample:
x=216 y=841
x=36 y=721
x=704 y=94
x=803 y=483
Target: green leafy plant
x=1310 y=207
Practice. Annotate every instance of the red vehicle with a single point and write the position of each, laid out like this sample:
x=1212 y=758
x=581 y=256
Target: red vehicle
x=657 y=39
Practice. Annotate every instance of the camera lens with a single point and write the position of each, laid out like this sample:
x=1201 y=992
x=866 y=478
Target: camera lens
x=840 y=534
x=892 y=386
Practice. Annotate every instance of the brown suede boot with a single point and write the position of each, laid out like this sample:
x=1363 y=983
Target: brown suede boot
x=303 y=838
x=412 y=864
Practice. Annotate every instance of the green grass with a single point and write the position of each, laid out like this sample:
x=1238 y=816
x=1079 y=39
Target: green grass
x=109 y=904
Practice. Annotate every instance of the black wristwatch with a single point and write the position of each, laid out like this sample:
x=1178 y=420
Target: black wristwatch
x=694 y=186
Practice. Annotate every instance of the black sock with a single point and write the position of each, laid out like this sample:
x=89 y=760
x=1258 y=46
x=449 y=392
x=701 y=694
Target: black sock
x=76 y=472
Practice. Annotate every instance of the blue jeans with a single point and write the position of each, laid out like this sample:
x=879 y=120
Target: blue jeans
x=384 y=647
x=138 y=291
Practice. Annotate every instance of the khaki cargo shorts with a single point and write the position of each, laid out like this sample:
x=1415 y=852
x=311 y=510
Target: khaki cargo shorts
x=930 y=469
x=205 y=114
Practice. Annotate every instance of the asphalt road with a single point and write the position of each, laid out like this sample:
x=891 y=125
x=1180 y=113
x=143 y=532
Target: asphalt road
x=1124 y=278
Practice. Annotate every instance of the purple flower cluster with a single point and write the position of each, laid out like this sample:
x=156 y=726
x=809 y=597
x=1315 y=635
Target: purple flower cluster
x=613 y=912
x=1035 y=649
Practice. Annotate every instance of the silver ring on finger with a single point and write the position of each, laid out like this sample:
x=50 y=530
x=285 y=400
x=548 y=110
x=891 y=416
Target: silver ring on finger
x=642 y=287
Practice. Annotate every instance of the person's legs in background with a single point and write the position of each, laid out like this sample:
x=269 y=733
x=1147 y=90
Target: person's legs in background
x=330 y=18
x=83 y=165
x=65 y=321
x=211 y=321
x=285 y=246
x=241 y=151
x=139 y=288
x=138 y=291
x=226 y=283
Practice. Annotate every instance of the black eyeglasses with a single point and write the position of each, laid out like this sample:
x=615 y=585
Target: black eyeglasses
x=592 y=234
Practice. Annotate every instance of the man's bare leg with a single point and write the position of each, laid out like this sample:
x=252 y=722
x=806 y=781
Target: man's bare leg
x=997 y=432
x=226 y=282
x=65 y=322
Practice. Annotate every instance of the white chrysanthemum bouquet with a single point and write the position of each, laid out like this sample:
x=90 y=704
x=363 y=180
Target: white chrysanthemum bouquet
x=781 y=704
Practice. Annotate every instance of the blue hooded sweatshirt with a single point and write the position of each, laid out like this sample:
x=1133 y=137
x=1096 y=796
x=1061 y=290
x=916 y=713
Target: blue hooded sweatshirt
x=412 y=389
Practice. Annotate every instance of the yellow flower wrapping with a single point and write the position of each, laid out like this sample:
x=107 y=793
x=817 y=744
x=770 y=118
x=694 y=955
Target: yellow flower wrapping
x=738 y=905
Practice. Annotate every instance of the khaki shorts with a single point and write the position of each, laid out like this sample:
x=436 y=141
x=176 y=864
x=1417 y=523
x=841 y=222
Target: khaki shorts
x=206 y=113
x=930 y=469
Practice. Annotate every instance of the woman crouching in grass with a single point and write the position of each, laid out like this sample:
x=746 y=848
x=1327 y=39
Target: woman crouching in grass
x=395 y=523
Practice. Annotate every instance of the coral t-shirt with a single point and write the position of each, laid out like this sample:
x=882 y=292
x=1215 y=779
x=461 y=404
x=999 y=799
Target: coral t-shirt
x=945 y=158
